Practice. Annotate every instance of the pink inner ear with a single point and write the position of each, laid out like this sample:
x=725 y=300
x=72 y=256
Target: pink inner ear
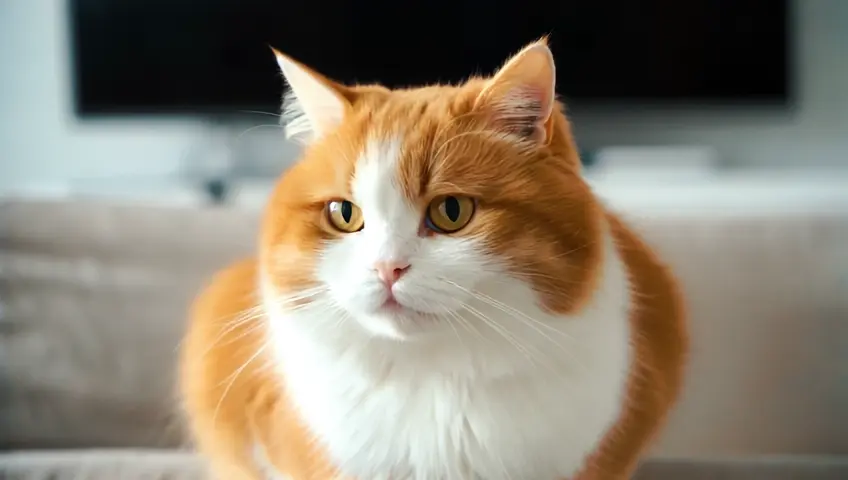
x=522 y=111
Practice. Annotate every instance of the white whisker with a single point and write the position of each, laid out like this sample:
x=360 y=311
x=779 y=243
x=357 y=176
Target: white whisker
x=467 y=325
x=233 y=324
x=449 y=321
x=233 y=377
x=257 y=127
x=276 y=115
x=525 y=319
x=500 y=331
x=253 y=314
x=513 y=311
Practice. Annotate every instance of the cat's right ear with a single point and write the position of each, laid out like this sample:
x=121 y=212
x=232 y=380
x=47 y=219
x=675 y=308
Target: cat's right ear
x=521 y=96
x=314 y=105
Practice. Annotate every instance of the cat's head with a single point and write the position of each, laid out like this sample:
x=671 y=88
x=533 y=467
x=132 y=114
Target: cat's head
x=409 y=207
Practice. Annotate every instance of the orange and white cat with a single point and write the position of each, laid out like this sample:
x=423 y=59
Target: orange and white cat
x=437 y=295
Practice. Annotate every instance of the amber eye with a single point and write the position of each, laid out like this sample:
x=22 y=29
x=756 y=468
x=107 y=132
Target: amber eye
x=449 y=213
x=345 y=216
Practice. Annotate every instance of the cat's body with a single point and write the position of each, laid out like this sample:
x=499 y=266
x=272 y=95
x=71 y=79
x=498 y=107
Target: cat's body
x=539 y=340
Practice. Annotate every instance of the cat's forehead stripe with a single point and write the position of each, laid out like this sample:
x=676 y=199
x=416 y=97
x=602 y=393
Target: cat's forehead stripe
x=374 y=168
x=375 y=184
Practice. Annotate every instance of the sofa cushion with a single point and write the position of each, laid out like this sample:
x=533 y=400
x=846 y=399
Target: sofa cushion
x=164 y=465
x=94 y=296
x=93 y=301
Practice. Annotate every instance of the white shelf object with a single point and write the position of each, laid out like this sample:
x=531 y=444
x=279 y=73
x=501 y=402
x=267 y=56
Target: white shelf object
x=655 y=163
x=720 y=192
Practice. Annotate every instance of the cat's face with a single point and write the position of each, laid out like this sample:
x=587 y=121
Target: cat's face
x=413 y=259
x=409 y=208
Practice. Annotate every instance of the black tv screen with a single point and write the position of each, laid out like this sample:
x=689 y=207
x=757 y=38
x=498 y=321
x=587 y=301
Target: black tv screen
x=213 y=57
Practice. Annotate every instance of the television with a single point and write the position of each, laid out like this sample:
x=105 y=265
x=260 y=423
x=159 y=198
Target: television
x=212 y=58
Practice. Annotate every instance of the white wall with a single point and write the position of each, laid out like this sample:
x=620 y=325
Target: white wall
x=42 y=143
x=40 y=140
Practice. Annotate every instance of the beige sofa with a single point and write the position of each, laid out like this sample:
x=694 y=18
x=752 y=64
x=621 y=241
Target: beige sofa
x=92 y=296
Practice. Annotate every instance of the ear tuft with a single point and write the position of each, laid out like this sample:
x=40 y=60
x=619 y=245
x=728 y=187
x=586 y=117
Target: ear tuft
x=294 y=120
x=521 y=96
x=314 y=105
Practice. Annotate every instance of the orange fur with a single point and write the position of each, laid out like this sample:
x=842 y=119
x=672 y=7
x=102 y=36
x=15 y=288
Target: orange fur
x=236 y=398
x=661 y=341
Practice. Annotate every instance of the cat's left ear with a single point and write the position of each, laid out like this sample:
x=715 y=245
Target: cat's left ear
x=315 y=105
x=521 y=96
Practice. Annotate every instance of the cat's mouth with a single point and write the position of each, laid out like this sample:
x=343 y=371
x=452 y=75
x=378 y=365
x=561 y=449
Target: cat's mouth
x=393 y=308
x=391 y=305
x=398 y=319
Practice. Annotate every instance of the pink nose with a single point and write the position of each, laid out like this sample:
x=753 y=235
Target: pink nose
x=390 y=272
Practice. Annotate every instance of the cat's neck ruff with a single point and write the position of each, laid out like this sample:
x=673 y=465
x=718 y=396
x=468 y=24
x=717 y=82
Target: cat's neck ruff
x=529 y=397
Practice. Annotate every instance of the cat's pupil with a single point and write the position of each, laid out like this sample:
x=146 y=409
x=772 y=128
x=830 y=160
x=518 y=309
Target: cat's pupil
x=347 y=211
x=452 y=208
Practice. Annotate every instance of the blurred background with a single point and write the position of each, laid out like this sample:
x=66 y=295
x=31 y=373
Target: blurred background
x=139 y=139
x=101 y=93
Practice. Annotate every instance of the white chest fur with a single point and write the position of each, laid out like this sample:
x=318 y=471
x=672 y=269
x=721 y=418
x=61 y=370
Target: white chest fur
x=474 y=405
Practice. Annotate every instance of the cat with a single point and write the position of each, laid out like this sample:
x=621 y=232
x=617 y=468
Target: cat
x=437 y=294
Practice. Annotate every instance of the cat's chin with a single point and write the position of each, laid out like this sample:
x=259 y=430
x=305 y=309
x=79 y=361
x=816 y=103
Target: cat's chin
x=400 y=322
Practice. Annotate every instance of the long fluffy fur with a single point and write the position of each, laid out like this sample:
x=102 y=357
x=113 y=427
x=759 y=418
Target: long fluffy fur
x=544 y=340
x=294 y=120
